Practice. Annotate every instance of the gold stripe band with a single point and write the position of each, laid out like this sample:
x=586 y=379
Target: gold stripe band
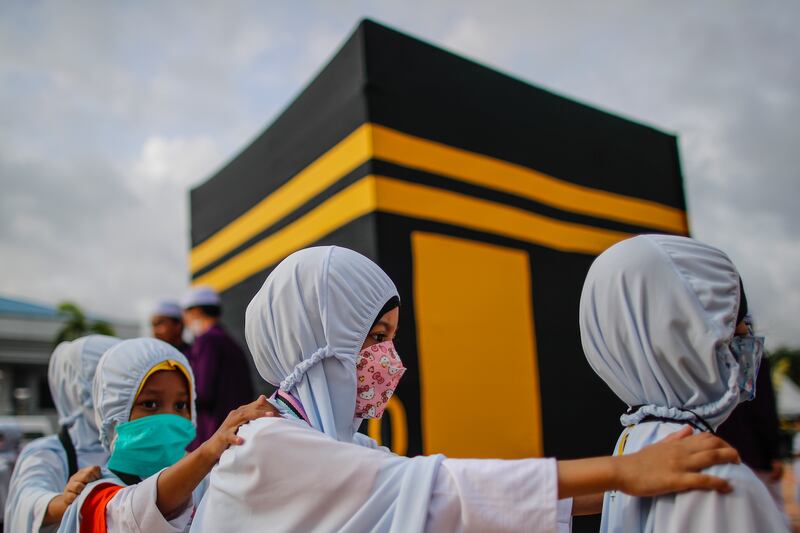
x=491 y=173
x=375 y=141
x=356 y=200
x=351 y=152
x=388 y=195
x=429 y=203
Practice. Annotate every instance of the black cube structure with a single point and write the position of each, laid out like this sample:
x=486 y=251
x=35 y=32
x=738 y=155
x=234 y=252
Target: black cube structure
x=485 y=199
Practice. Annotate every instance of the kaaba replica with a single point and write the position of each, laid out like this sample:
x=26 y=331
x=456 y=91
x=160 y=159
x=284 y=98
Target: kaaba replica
x=485 y=199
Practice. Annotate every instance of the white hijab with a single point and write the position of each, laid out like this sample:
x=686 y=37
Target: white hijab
x=657 y=316
x=120 y=373
x=305 y=328
x=307 y=324
x=70 y=374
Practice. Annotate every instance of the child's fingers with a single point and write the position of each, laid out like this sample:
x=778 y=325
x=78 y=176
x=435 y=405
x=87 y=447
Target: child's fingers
x=259 y=402
x=87 y=474
x=717 y=456
x=707 y=442
x=234 y=439
x=75 y=487
x=91 y=475
x=262 y=404
x=94 y=473
x=253 y=413
x=706 y=482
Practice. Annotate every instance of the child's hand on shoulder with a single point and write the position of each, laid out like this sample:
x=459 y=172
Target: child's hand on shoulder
x=226 y=434
x=78 y=482
x=674 y=464
x=57 y=506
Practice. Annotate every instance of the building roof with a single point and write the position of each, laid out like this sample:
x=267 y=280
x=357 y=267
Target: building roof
x=9 y=306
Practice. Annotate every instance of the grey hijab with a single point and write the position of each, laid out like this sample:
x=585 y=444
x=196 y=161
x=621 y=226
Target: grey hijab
x=657 y=316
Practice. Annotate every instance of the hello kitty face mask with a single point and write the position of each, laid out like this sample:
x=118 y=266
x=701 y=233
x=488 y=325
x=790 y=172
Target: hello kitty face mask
x=378 y=370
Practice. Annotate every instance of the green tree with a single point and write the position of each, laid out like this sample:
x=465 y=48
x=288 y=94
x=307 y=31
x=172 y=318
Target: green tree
x=76 y=324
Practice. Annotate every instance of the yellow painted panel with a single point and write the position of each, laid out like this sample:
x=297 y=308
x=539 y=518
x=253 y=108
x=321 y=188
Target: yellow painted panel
x=479 y=378
x=351 y=152
x=399 y=425
x=485 y=171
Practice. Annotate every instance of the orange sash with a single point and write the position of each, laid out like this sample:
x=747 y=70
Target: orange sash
x=93 y=511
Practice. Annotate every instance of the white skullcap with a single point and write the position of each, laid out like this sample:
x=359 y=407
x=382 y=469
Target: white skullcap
x=169 y=309
x=200 y=295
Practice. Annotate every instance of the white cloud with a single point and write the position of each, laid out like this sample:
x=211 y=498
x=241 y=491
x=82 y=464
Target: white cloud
x=182 y=162
x=111 y=111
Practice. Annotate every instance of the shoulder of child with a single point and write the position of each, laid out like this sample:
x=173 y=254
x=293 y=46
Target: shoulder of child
x=47 y=450
x=275 y=426
x=750 y=503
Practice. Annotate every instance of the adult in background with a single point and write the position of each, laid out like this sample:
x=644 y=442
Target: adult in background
x=167 y=323
x=222 y=375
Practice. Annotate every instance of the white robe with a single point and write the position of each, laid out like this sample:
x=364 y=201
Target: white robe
x=289 y=477
x=748 y=508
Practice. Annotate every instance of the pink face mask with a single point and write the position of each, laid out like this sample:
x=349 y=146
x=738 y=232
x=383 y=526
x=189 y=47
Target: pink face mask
x=378 y=370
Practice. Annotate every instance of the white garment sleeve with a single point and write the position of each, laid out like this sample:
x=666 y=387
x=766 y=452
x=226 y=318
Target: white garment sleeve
x=564 y=516
x=368 y=442
x=134 y=509
x=39 y=476
x=287 y=477
x=495 y=495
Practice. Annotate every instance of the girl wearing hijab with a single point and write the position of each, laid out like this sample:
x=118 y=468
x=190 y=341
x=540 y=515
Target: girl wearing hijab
x=321 y=329
x=50 y=471
x=664 y=323
x=144 y=400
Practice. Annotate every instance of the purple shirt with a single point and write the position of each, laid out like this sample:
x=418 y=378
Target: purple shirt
x=222 y=380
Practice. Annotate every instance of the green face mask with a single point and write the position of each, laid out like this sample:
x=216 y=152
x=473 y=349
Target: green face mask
x=145 y=446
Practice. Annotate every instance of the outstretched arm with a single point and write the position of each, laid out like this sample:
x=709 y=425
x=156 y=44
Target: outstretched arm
x=176 y=483
x=672 y=465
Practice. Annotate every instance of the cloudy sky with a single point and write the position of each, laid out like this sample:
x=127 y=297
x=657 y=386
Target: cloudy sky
x=110 y=111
